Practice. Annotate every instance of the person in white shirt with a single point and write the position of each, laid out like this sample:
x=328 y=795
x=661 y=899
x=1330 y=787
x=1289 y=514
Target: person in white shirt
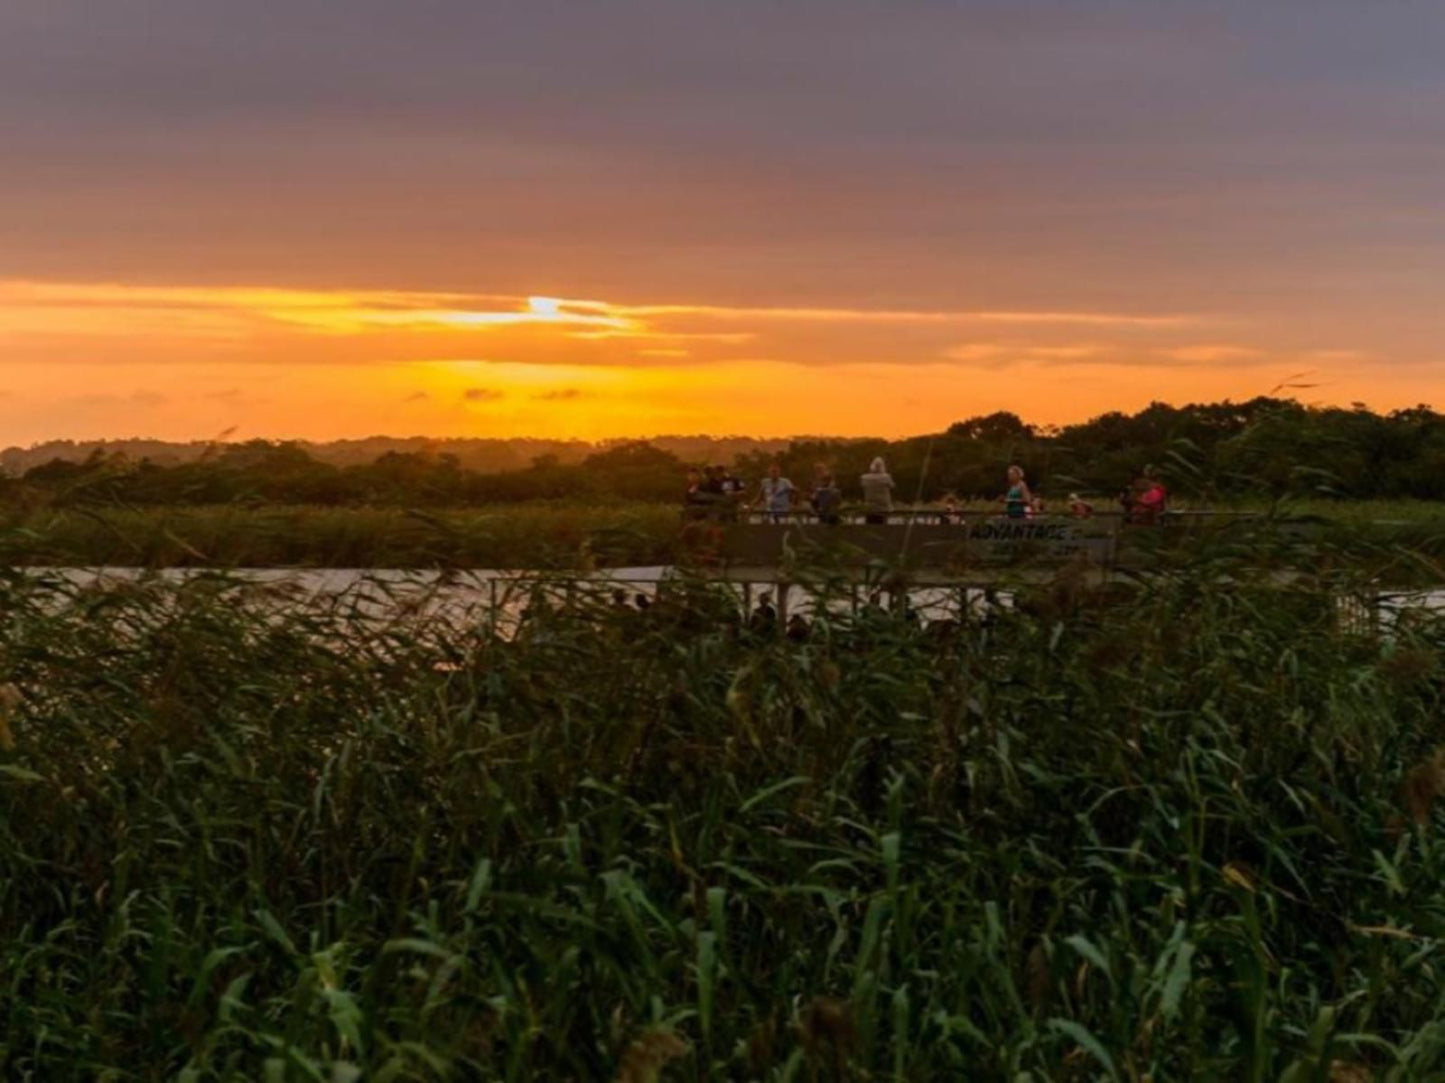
x=776 y=494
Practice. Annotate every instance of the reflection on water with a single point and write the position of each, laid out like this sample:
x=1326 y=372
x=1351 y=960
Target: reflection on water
x=501 y=600
x=1393 y=609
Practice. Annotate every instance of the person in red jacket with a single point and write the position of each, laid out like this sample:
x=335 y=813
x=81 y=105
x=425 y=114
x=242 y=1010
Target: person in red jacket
x=1150 y=498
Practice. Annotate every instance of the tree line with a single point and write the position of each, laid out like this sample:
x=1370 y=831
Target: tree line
x=1263 y=447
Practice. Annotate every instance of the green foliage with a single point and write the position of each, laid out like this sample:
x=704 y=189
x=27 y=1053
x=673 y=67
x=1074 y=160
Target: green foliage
x=575 y=535
x=520 y=535
x=1157 y=835
x=1264 y=448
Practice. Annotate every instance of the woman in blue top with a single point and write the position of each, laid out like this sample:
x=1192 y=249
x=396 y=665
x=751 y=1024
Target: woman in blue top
x=1018 y=499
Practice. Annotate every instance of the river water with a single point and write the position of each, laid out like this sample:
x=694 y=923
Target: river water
x=501 y=598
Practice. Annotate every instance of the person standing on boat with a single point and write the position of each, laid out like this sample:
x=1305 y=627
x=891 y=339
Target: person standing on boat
x=776 y=493
x=1017 y=501
x=877 y=492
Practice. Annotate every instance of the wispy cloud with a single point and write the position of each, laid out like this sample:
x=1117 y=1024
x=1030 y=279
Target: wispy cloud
x=1124 y=352
x=976 y=351
x=1066 y=353
x=143 y=397
x=995 y=354
x=60 y=322
x=895 y=315
x=482 y=394
x=351 y=310
x=1087 y=319
x=1207 y=353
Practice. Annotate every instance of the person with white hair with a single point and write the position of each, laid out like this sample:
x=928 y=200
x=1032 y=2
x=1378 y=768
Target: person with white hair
x=877 y=492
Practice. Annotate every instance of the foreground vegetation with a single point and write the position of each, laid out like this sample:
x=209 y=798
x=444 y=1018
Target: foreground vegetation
x=1185 y=835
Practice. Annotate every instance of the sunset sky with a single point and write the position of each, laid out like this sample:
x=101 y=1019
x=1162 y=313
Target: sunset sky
x=327 y=218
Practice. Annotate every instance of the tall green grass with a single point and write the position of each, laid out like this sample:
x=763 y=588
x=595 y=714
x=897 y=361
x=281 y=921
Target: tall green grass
x=1182 y=833
x=538 y=535
x=552 y=535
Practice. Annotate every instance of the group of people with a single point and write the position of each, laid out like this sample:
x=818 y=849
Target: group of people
x=1144 y=501
x=716 y=493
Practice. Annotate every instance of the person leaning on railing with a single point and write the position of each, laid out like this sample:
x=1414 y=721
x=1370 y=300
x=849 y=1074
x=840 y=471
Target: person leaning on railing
x=695 y=500
x=1017 y=501
x=734 y=491
x=1147 y=500
x=707 y=495
x=775 y=492
x=826 y=500
x=877 y=492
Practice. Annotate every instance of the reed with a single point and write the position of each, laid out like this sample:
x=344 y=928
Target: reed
x=541 y=535
x=1183 y=833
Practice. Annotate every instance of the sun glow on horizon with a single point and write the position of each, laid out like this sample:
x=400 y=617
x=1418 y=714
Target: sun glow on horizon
x=308 y=361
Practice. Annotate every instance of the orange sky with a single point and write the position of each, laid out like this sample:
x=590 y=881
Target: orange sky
x=651 y=216
x=182 y=362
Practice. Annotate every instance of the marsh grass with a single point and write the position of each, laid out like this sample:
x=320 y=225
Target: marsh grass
x=1187 y=831
x=552 y=535
x=538 y=535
